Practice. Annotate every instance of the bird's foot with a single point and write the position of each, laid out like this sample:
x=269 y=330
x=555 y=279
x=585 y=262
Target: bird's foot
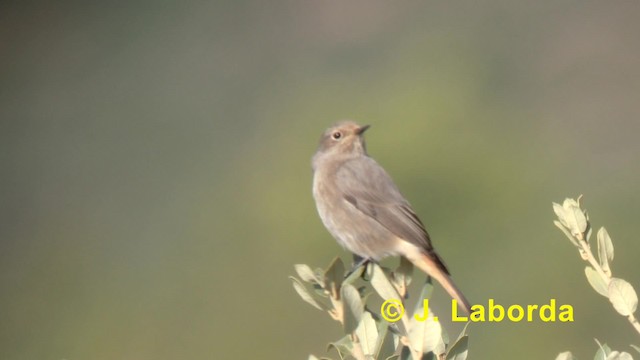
x=358 y=268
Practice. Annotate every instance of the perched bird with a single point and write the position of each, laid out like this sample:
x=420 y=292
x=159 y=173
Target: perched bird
x=363 y=209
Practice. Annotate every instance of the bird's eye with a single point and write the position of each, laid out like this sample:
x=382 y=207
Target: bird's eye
x=336 y=135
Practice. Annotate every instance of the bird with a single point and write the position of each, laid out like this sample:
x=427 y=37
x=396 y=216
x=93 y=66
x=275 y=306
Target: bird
x=363 y=209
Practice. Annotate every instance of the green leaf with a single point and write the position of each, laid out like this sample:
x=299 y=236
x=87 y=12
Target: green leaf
x=595 y=280
x=559 y=210
x=464 y=331
x=425 y=293
x=355 y=274
x=602 y=352
x=320 y=290
x=566 y=232
x=333 y=276
x=571 y=217
x=605 y=249
x=386 y=344
x=353 y=308
x=319 y=276
x=574 y=217
x=565 y=356
x=616 y=355
x=459 y=350
x=305 y=273
x=305 y=295
x=367 y=333
x=382 y=285
x=426 y=336
x=622 y=296
x=344 y=347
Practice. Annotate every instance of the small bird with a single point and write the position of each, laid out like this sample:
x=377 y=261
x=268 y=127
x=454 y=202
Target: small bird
x=363 y=209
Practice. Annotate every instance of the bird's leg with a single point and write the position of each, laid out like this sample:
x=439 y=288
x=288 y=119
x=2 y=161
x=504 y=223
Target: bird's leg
x=358 y=262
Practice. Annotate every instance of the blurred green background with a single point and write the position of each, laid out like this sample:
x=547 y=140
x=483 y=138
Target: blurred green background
x=156 y=180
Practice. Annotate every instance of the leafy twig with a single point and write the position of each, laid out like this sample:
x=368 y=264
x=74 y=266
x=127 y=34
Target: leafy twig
x=574 y=222
x=370 y=335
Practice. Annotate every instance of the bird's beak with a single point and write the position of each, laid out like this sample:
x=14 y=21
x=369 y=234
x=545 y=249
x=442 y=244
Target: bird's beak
x=362 y=129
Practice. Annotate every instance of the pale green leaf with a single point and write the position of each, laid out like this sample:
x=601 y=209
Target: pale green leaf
x=320 y=290
x=459 y=350
x=305 y=273
x=319 y=275
x=566 y=232
x=465 y=330
x=565 y=356
x=386 y=344
x=426 y=336
x=574 y=217
x=559 y=210
x=603 y=351
x=622 y=296
x=425 y=293
x=605 y=249
x=353 y=307
x=344 y=347
x=596 y=281
x=382 y=285
x=367 y=333
x=616 y=355
x=355 y=274
x=636 y=348
x=305 y=295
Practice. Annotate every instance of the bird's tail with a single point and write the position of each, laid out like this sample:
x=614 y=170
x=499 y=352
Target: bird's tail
x=429 y=265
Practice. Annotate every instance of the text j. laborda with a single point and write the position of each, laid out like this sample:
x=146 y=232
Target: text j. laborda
x=392 y=310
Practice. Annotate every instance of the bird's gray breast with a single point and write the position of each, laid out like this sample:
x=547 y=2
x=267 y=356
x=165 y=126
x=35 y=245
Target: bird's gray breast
x=351 y=227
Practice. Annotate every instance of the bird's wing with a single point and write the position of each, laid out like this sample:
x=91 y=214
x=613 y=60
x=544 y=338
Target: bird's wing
x=368 y=187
